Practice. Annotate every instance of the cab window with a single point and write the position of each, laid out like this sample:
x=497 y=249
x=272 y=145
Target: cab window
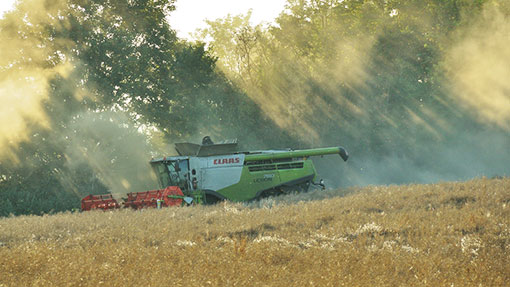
x=178 y=171
x=162 y=173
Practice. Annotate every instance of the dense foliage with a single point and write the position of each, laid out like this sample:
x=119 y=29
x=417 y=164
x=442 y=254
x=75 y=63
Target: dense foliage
x=114 y=85
x=416 y=90
x=91 y=89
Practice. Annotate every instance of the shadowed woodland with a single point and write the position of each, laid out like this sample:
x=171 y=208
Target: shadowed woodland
x=417 y=91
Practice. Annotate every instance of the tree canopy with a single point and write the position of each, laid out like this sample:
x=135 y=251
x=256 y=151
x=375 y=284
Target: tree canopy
x=395 y=81
x=108 y=85
x=92 y=89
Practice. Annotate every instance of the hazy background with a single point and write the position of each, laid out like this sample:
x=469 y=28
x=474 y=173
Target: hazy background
x=416 y=91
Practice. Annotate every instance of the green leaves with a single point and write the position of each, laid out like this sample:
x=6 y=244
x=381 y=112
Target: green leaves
x=372 y=75
x=84 y=81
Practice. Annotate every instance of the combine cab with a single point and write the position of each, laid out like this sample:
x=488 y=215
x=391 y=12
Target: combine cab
x=210 y=172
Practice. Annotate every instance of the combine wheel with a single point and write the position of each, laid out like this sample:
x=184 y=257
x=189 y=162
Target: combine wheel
x=283 y=190
x=299 y=188
x=270 y=193
x=211 y=199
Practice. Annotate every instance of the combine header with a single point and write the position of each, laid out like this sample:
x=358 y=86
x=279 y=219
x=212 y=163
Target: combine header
x=210 y=172
x=170 y=196
x=104 y=201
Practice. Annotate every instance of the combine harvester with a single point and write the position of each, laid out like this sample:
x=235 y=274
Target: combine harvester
x=208 y=173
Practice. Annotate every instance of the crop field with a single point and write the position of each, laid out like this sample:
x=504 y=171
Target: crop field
x=446 y=234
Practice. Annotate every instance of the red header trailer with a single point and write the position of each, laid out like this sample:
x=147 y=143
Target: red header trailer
x=103 y=201
x=170 y=196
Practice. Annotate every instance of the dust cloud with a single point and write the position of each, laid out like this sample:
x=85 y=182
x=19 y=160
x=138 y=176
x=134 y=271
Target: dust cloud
x=472 y=140
x=115 y=150
x=107 y=142
x=456 y=132
x=27 y=63
x=479 y=67
x=481 y=154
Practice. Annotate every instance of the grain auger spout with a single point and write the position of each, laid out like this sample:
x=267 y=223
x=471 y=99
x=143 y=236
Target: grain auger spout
x=300 y=153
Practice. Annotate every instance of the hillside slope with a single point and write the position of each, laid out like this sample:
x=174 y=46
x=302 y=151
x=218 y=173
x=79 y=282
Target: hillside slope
x=446 y=234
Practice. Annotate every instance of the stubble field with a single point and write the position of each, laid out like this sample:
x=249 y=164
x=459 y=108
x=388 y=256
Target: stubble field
x=446 y=234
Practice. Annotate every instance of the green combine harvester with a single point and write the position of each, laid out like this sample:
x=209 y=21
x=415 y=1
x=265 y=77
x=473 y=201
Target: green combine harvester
x=209 y=173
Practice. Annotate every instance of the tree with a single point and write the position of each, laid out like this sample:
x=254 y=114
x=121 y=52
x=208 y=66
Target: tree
x=104 y=79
